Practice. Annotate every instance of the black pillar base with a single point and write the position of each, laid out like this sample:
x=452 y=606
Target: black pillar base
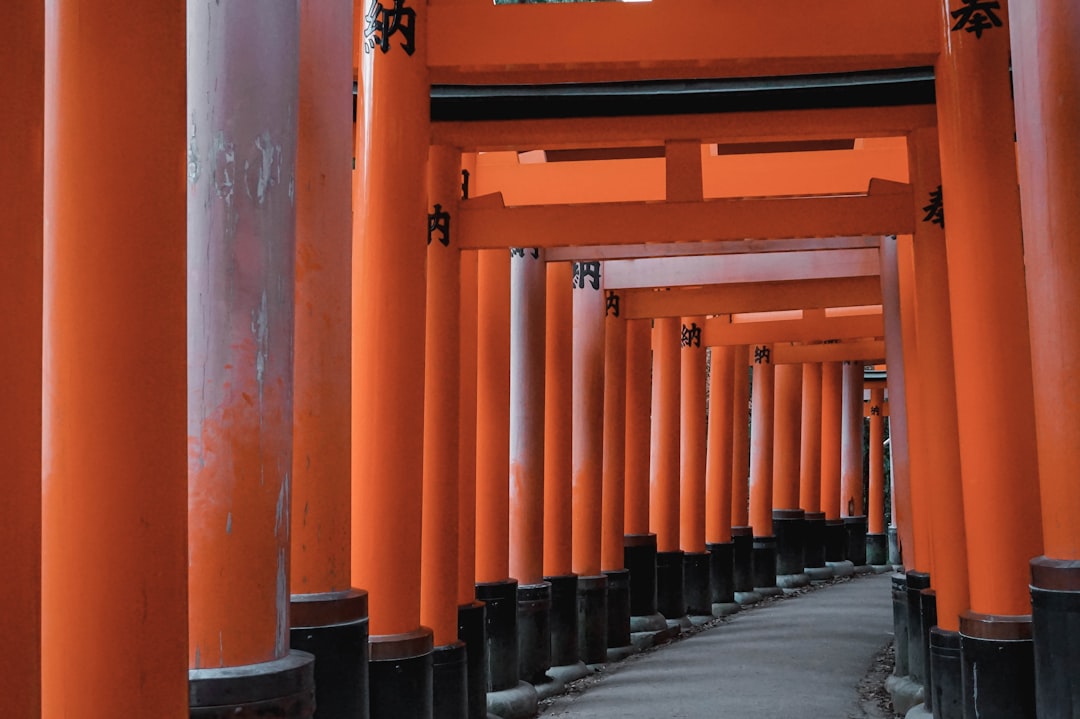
x=471 y=632
x=789 y=528
x=835 y=541
x=997 y=664
x=333 y=626
x=764 y=562
x=900 y=624
x=855 y=534
x=400 y=673
x=916 y=582
x=500 y=633
x=742 y=571
x=814 y=540
x=639 y=558
x=670 y=600
x=450 y=681
x=945 y=674
x=895 y=555
x=618 y=607
x=927 y=621
x=721 y=572
x=696 y=591
x=1055 y=620
x=877 y=549
x=285 y=687
x=563 y=619
x=534 y=631
x=592 y=619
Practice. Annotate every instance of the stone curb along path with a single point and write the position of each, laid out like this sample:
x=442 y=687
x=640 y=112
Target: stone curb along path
x=815 y=657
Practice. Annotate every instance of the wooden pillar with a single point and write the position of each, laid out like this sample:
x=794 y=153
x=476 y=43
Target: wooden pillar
x=639 y=553
x=1044 y=69
x=810 y=466
x=389 y=306
x=832 y=387
x=22 y=124
x=988 y=301
x=588 y=458
x=113 y=478
x=740 y=439
x=852 y=500
x=692 y=454
x=664 y=467
x=328 y=618
x=788 y=519
x=761 y=468
x=718 y=475
x=528 y=290
x=612 y=558
x=877 y=546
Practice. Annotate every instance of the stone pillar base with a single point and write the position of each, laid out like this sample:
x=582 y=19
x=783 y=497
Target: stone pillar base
x=563 y=620
x=742 y=540
x=998 y=651
x=1055 y=619
x=517 y=702
x=764 y=565
x=285 y=687
x=500 y=632
x=333 y=626
x=592 y=619
x=534 y=631
x=855 y=536
x=721 y=572
x=400 y=673
x=789 y=528
x=471 y=621
x=639 y=558
x=670 y=600
x=618 y=607
x=877 y=550
x=814 y=539
x=945 y=674
x=900 y=624
x=696 y=592
x=835 y=541
x=916 y=582
x=450 y=685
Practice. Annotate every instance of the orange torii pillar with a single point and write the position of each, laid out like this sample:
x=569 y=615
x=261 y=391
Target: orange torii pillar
x=442 y=378
x=113 y=477
x=692 y=454
x=588 y=457
x=21 y=212
x=810 y=474
x=388 y=320
x=327 y=616
x=558 y=469
x=612 y=559
x=788 y=519
x=1044 y=65
x=832 y=388
x=241 y=255
x=471 y=611
x=528 y=305
x=742 y=534
x=763 y=565
x=664 y=468
x=494 y=585
x=718 y=482
x=639 y=544
x=995 y=402
x=851 y=465
x=877 y=543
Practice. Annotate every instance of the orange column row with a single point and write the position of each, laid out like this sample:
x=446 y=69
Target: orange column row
x=22 y=124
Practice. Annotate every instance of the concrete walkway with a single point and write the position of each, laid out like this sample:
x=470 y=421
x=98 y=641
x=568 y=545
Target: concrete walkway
x=798 y=658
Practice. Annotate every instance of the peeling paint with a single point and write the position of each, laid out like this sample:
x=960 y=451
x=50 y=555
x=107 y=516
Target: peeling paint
x=193 y=153
x=224 y=154
x=281 y=515
x=281 y=643
x=228 y=524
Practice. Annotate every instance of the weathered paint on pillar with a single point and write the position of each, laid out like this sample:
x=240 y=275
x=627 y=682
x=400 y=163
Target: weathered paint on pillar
x=851 y=433
x=467 y=343
x=442 y=378
x=614 y=491
x=718 y=461
x=937 y=384
x=832 y=387
x=22 y=125
x=903 y=516
x=692 y=441
x=761 y=443
x=389 y=305
x=321 y=525
x=588 y=419
x=740 y=439
x=664 y=467
x=493 y=418
x=810 y=439
x=528 y=305
x=558 y=421
x=989 y=317
x=1044 y=72
x=113 y=451
x=638 y=424
x=787 y=424
x=241 y=249
x=876 y=498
